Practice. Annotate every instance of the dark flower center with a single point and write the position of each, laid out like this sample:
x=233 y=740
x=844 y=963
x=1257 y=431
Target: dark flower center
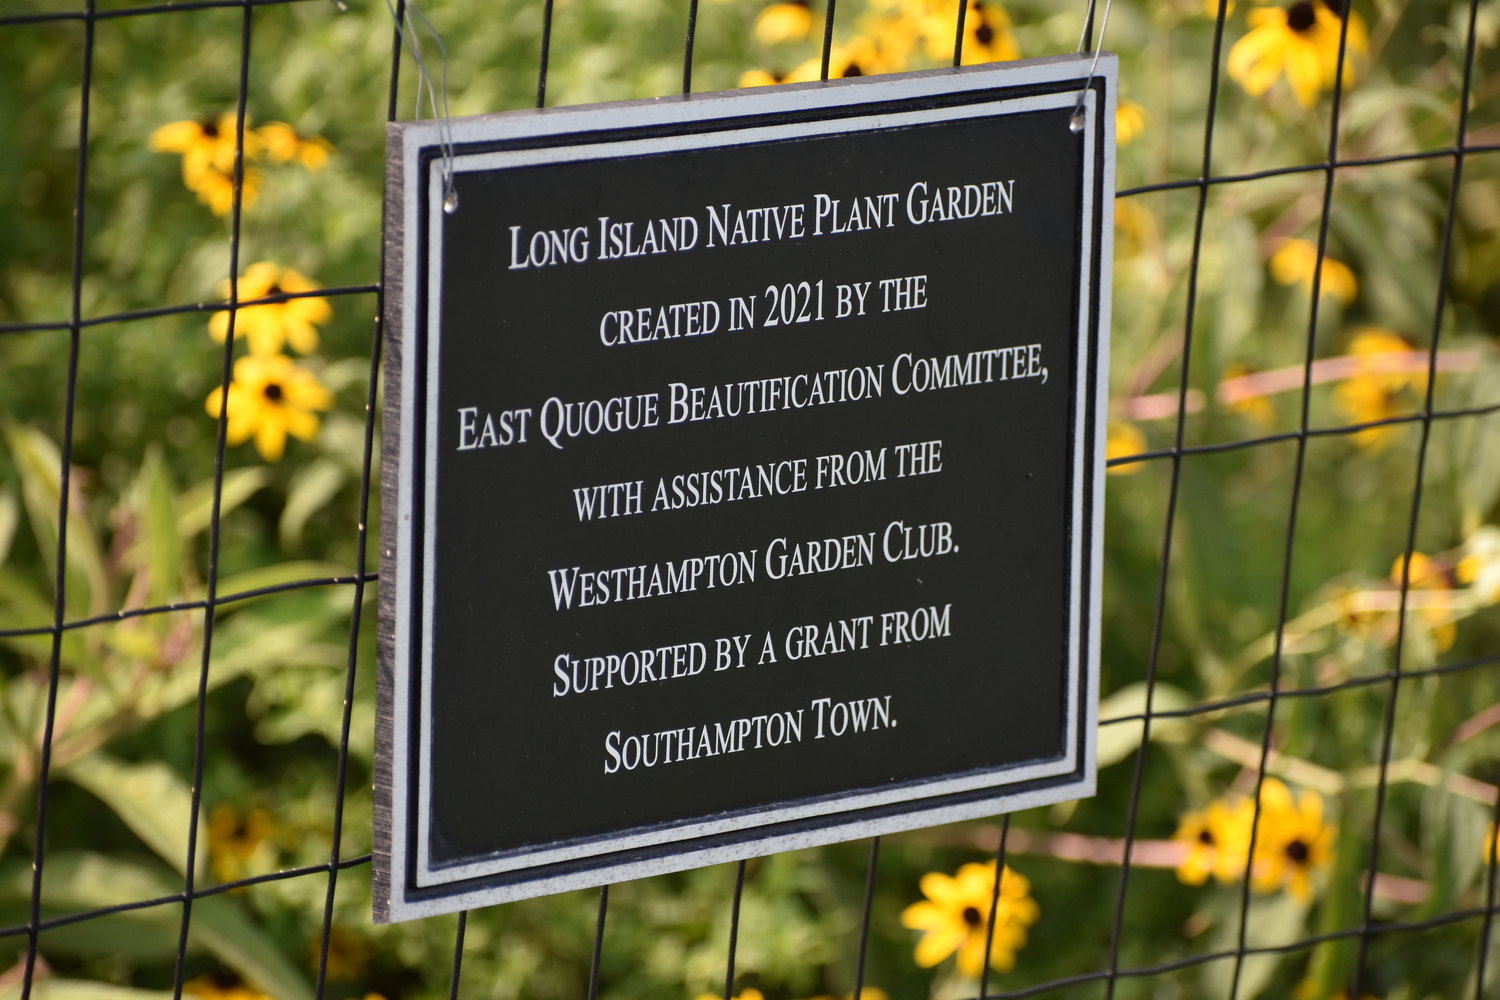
x=1206 y=837
x=984 y=33
x=210 y=130
x=275 y=289
x=853 y=70
x=1301 y=16
x=971 y=916
x=1297 y=851
x=272 y=392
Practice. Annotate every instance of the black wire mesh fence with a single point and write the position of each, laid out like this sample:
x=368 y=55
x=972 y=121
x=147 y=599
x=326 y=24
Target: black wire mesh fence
x=1366 y=930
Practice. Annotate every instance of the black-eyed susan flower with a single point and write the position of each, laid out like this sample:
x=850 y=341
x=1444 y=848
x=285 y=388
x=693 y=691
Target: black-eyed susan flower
x=956 y=912
x=1377 y=390
x=1429 y=575
x=221 y=988
x=858 y=56
x=203 y=143
x=269 y=399
x=987 y=34
x=1125 y=439
x=267 y=328
x=750 y=993
x=1215 y=841
x=987 y=29
x=1295 y=261
x=215 y=188
x=234 y=839
x=759 y=78
x=1135 y=227
x=1258 y=408
x=1302 y=41
x=788 y=21
x=1293 y=842
x=348 y=954
x=284 y=144
x=1480 y=565
x=1130 y=121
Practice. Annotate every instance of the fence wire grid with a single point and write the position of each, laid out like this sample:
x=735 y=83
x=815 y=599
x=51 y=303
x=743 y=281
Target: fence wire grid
x=1106 y=978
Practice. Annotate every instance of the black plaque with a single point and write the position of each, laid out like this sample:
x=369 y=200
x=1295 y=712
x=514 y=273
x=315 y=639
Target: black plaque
x=742 y=474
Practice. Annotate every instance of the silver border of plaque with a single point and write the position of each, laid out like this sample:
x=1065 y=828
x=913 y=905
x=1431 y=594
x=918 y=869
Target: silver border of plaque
x=398 y=891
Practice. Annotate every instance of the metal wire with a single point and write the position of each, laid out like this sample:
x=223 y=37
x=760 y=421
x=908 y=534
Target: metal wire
x=1365 y=933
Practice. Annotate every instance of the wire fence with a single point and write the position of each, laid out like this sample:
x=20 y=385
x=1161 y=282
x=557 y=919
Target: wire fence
x=1365 y=932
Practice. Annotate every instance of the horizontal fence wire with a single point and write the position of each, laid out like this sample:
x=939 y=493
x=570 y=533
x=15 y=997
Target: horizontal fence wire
x=1364 y=932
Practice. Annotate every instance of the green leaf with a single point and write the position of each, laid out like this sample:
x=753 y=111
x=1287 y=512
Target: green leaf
x=195 y=506
x=159 y=549
x=312 y=487
x=40 y=465
x=1118 y=741
x=1273 y=921
x=221 y=926
x=79 y=880
x=149 y=797
x=82 y=989
x=10 y=516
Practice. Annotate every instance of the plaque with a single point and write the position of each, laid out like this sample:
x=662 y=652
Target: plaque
x=742 y=474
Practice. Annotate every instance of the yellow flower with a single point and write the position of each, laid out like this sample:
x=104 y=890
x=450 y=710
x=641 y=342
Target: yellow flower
x=1258 y=408
x=750 y=994
x=1130 y=121
x=987 y=34
x=1480 y=566
x=215 y=188
x=1428 y=574
x=1301 y=40
x=1375 y=394
x=233 y=840
x=269 y=399
x=203 y=143
x=1135 y=227
x=788 y=21
x=896 y=26
x=1216 y=840
x=956 y=911
x=758 y=78
x=1124 y=439
x=1293 y=843
x=208 y=988
x=268 y=327
x=283 y=143
x=856 y=57
x=1293 y=263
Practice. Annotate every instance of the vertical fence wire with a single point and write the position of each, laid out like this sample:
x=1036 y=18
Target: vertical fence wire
x=1393 y=693
x=1158 y=623
x=1330 y=178
x=64 y=505
x=734 y=930
x=361 y=556
x=989 y=924
x=1481 y=959
x=215 y=528
x=864 y=920
x=598 y=942
x=541 y=73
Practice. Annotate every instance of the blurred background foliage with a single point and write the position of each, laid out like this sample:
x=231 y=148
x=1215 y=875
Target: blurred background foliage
x=144 y=461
